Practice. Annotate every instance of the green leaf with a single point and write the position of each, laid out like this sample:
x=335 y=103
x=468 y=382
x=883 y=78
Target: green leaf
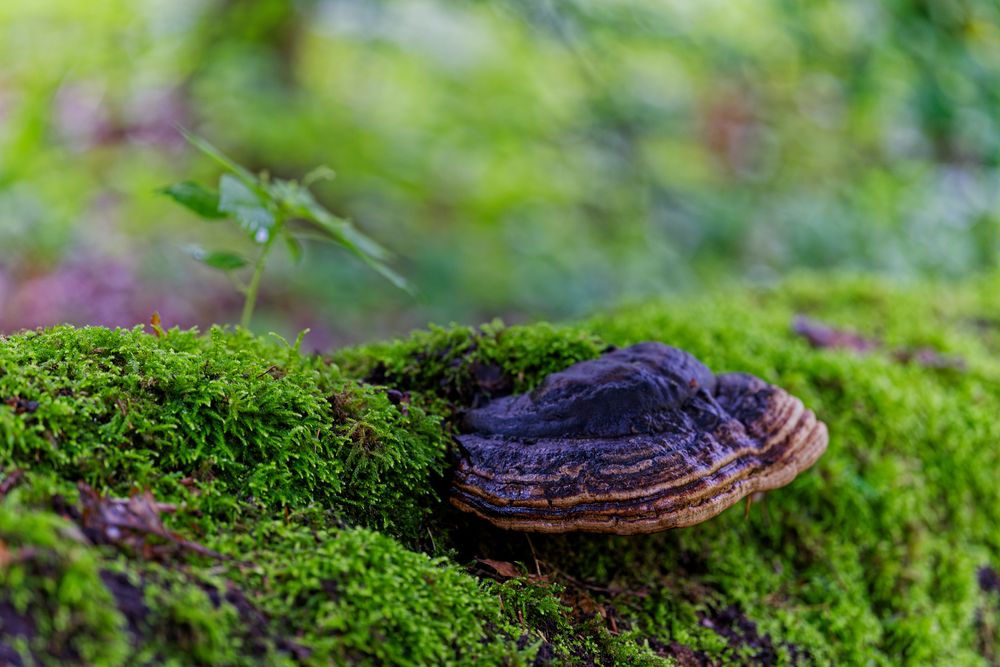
x=251 y=210
x=346 y=235
x=301 y=204
x=294 y=246
x=220 y=259
x=388 y=273
x=226 y=261
x=320 y=173
x=199 y=199
x=221 y=158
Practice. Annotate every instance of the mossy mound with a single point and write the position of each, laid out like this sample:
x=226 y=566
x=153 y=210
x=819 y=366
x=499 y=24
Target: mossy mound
x=213 y=423
x=320 y=483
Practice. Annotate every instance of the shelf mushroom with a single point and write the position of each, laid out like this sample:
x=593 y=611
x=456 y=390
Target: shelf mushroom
x=639 y=440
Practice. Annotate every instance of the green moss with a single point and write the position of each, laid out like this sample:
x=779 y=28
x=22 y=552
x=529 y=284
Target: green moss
x=285 y=463
x=463 y=364
x=212 y=422
x=359 y=597
x=562 y=635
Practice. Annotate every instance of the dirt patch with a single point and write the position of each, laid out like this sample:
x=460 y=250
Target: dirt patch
x=13 y=625
x=989 y=579
x=743 y=636
x=466 y=382
x=130 y=598
x=683 y=655
x=987 y=618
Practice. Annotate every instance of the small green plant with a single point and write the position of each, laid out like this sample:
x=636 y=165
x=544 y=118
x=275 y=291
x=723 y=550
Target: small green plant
x=266 y=209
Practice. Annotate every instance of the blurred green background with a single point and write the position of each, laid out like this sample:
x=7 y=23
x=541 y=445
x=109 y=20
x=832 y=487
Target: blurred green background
x=523 y=158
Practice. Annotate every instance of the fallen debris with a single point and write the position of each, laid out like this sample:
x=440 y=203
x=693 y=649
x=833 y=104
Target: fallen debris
x=130 y=523
x=503 y=568
x=928 y=358
x=681 y=654
x=21 y=406
x=823 y=336
x=10 y=480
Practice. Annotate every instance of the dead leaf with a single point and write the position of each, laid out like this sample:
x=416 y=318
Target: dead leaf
x=502 y=567
x=12 y=479
x=20 y=406
x=928 y=358
x=131 y=522
x=823 y=336
x=155 y=322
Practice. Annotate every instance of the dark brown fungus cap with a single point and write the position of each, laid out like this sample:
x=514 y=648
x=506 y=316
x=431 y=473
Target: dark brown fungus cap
x=639 y=440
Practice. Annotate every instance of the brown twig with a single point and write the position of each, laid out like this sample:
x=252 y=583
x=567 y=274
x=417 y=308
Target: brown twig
x=12 y=479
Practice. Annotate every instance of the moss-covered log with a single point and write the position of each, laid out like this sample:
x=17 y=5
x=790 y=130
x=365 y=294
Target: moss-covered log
x=298 y=510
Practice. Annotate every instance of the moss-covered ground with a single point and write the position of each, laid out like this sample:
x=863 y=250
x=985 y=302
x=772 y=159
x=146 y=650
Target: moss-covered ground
x=320 y=485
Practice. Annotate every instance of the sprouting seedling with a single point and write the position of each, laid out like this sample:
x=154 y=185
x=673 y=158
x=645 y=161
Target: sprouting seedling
x=263 y=207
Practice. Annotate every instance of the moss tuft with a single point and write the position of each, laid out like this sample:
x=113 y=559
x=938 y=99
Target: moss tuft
x=358 y=597
x=467 y=366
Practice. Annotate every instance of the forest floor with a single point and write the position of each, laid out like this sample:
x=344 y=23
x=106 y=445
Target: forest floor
x=176 y=497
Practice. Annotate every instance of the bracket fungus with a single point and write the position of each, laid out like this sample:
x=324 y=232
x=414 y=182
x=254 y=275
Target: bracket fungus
x=639 y=440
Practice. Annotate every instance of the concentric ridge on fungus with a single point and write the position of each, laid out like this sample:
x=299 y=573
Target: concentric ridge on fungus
x=639 y=440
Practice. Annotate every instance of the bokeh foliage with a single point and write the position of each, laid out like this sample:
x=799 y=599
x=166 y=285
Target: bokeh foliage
x=525 y=158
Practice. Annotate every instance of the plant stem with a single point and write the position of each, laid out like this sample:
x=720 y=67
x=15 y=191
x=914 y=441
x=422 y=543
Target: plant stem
x=251 y=294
